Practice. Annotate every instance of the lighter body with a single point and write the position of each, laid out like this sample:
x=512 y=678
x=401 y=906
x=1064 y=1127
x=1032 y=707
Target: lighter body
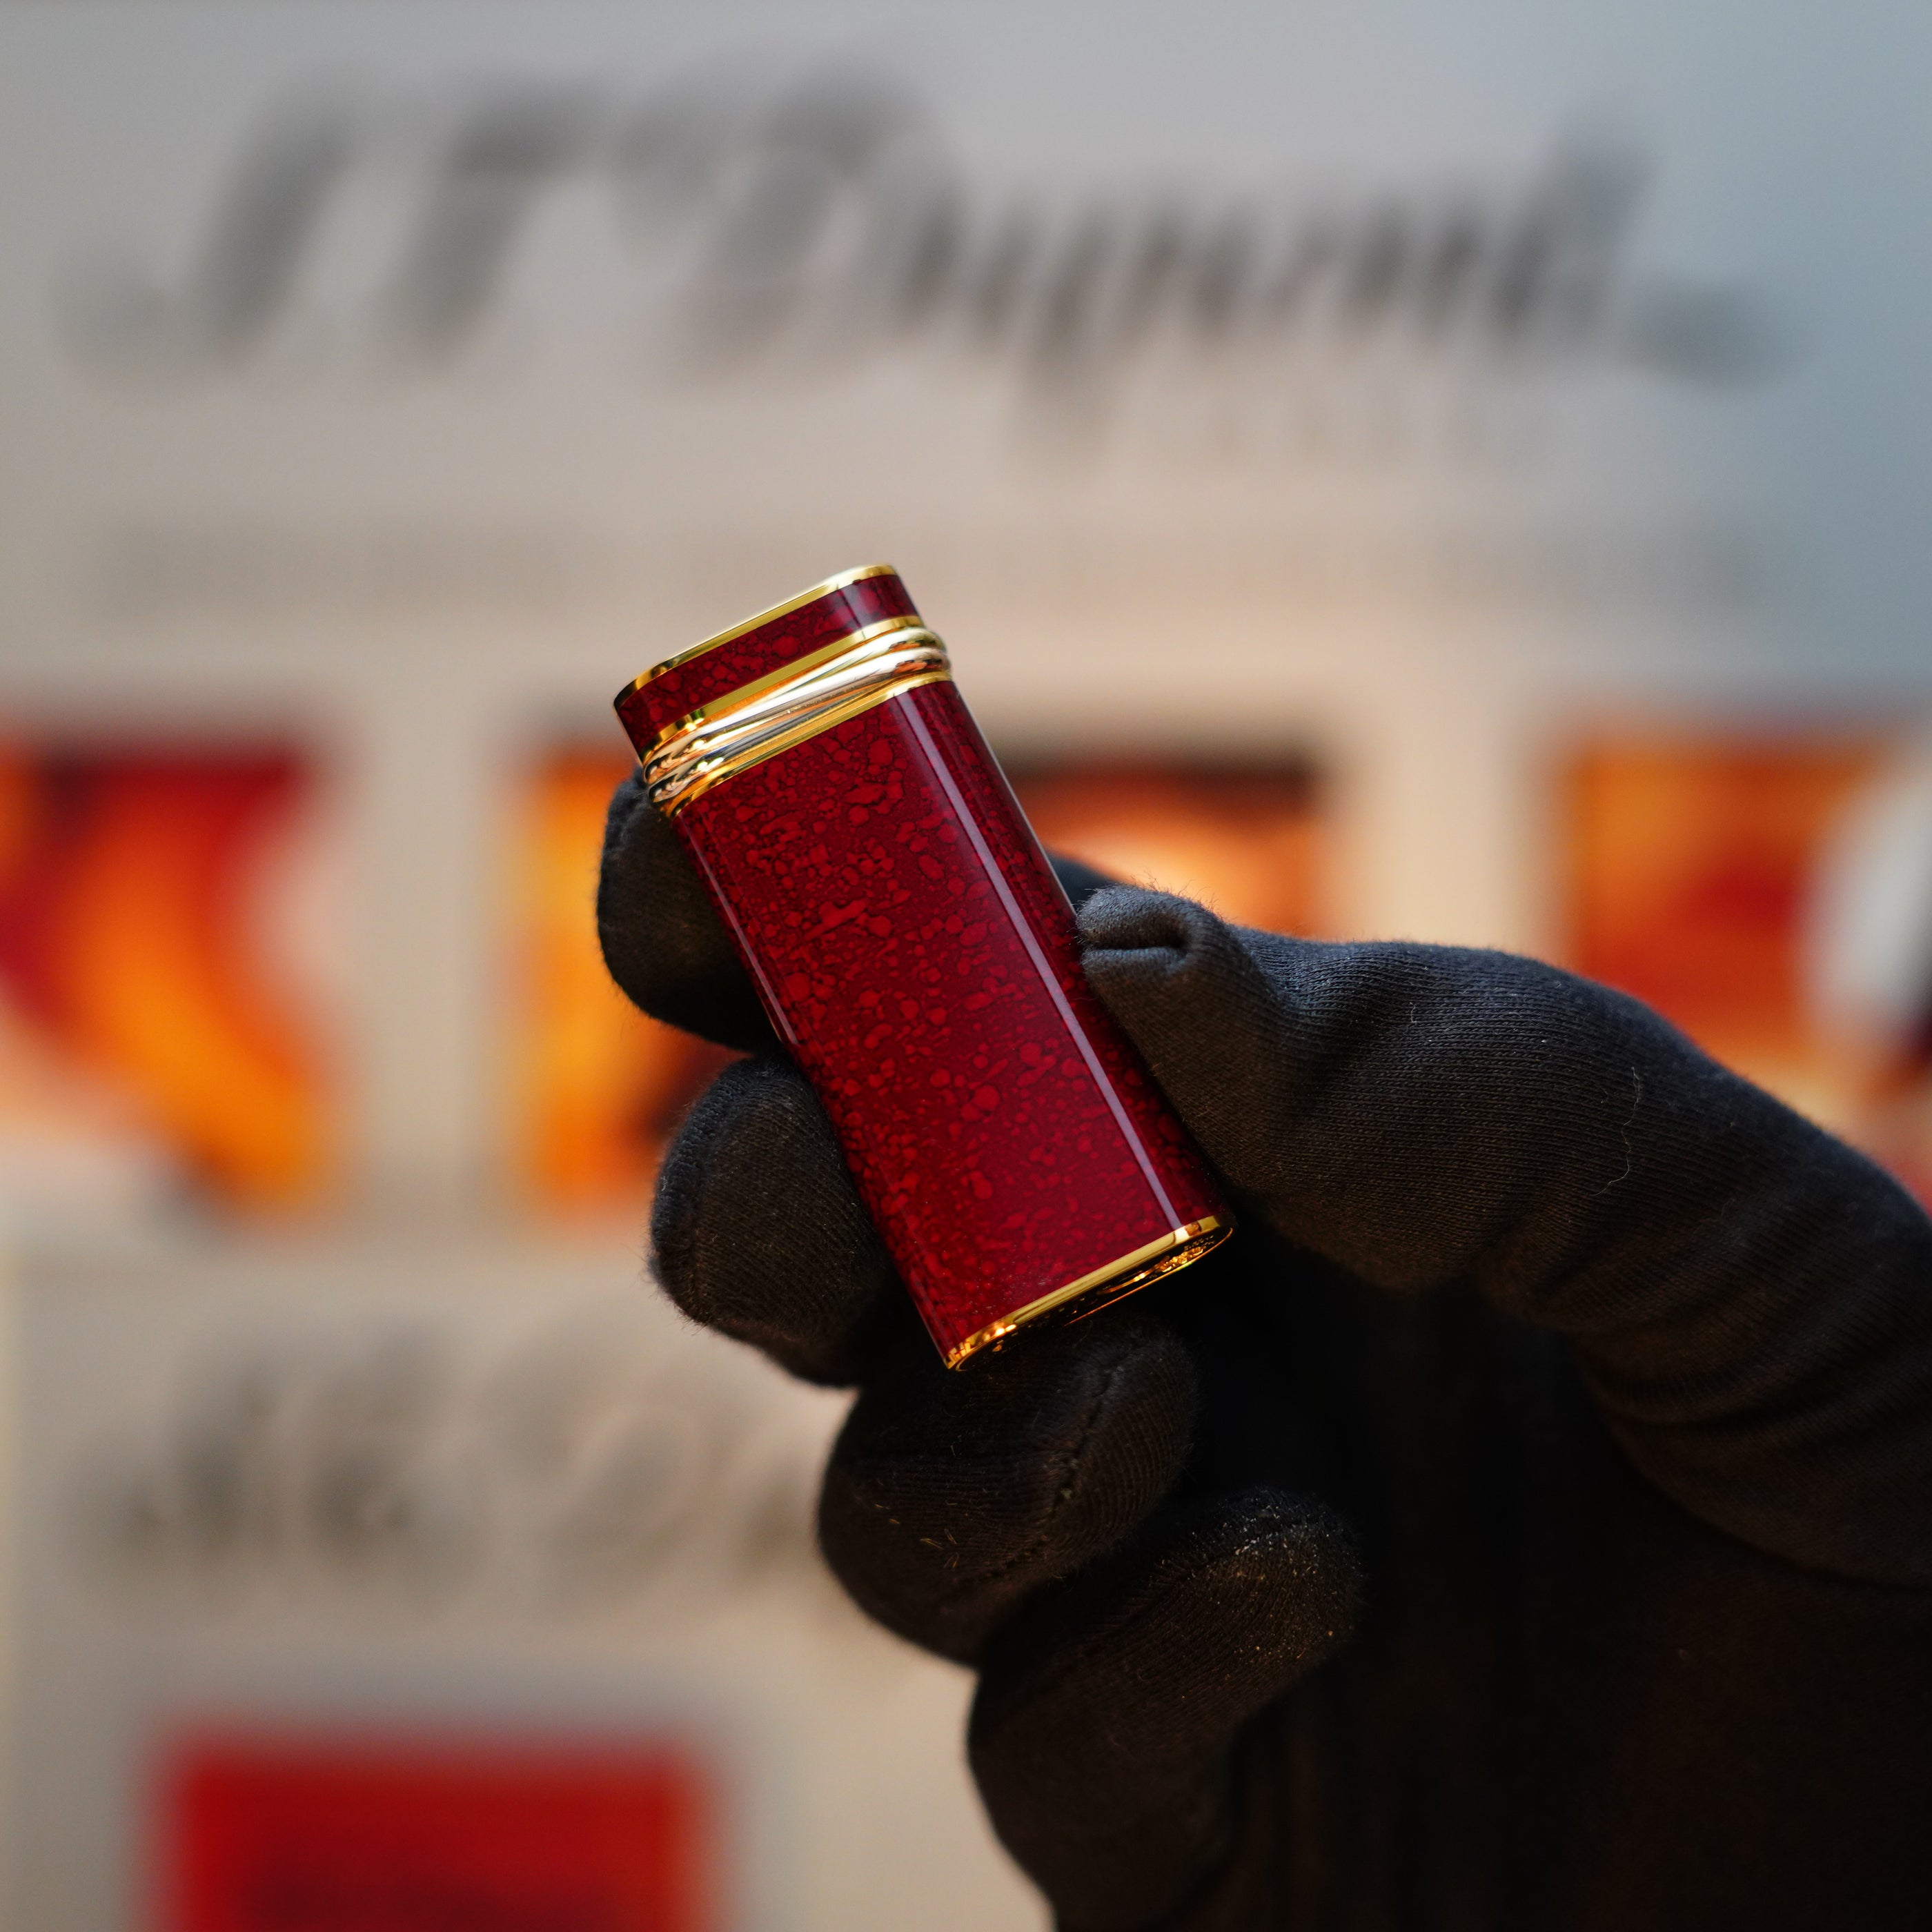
x=919 y=961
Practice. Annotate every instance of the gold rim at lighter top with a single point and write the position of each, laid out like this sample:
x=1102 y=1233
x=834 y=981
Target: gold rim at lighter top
x=786 y=707
x=764 y=617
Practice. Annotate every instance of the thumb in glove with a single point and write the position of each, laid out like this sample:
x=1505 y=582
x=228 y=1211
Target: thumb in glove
x=1749 y=1300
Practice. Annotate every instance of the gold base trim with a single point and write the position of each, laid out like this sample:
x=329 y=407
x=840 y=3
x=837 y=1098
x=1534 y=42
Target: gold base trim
x=1175 y=1249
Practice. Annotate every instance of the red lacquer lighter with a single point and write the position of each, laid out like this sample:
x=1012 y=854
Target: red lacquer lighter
x=919 y=958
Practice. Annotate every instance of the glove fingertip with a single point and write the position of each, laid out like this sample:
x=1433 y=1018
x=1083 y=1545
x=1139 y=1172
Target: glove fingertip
x=950 y=1498
x=1136 y=919
x=1102 y=1733
x=662 y=939
x=757 y=1231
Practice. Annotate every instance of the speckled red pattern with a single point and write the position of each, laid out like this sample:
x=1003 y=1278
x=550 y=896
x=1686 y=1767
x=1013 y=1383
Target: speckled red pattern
x=918 y=956
x=675 y=693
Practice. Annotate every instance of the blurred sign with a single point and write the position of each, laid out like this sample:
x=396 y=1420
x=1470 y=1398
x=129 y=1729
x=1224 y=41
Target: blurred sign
x=595 y=321
x=821 y=219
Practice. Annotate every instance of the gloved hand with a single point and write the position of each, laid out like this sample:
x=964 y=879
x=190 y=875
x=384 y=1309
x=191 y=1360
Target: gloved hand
x=1590 y=1386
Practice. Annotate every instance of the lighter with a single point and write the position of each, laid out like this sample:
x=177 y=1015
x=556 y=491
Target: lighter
x=920 y=960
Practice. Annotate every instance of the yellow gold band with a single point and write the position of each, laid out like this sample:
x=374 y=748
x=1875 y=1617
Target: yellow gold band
x=1175 y=1249
x=785 y=707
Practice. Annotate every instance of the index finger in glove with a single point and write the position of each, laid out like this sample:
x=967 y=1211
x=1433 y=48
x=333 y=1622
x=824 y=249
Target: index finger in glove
x=663 y=941
x=1751 y=1300
x=949 y=1496
x=1102 y=1732
x=757 y=1230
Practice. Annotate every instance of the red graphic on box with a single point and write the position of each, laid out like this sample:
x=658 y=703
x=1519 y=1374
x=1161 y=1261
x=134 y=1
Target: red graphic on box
x=359 y=1837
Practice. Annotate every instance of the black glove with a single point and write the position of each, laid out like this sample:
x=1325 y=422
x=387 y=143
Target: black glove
x=1590 y=1385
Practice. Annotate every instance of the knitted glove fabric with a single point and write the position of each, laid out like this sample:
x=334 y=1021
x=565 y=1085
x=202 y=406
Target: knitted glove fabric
x=1590 y=1388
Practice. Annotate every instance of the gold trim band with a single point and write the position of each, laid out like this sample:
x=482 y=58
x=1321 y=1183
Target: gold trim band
x=1175 y=1249
x=774 y=712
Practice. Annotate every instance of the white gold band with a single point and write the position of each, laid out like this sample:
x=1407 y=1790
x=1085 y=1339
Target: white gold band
x=774 y=713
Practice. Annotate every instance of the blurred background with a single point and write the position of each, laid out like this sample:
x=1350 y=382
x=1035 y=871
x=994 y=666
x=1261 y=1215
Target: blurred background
x=1456 y=473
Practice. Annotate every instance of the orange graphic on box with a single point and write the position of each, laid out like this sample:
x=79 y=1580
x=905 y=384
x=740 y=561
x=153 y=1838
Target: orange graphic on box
x=1759 y=891
x=138 y=1008
x=1248 y=841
